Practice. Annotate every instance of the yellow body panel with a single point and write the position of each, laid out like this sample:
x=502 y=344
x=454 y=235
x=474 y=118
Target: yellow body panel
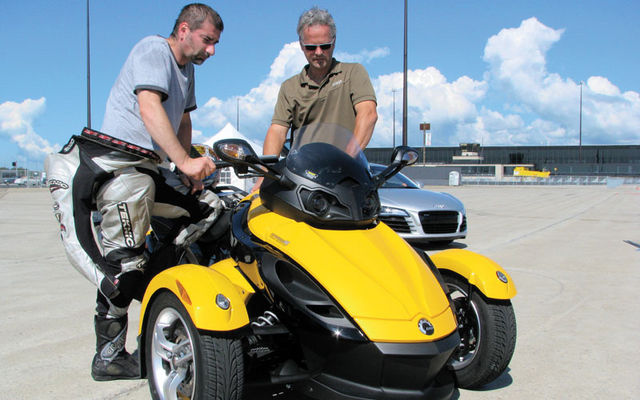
x=374 y=275
x=197 y=287
x=479 y=270
x=252 y=272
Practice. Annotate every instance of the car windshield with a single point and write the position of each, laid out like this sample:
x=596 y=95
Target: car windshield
x=398 y=181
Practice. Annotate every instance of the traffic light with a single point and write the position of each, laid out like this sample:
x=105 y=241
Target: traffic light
x=15 y=163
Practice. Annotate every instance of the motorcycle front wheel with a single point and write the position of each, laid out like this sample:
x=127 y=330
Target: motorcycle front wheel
x=184 y=363
x=487 y=330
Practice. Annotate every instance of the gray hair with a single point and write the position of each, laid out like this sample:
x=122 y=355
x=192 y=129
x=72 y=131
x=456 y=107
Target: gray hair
x=316 y=16
x=194 y=15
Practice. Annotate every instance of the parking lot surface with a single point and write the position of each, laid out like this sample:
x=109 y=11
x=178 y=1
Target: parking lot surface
x=577 y=308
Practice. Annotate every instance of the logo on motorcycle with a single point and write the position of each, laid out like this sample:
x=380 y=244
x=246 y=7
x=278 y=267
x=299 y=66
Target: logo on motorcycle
x=310 y=174
x=426 y=327
x=279 y=239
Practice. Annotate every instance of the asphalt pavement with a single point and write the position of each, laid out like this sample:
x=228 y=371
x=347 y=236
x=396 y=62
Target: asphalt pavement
x=577 y=308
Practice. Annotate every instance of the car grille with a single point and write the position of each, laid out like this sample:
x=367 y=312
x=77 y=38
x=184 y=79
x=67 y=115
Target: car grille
x=439 y=221
x=398 y=224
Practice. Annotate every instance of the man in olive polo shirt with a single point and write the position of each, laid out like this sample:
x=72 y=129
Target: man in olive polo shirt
x=325 y=91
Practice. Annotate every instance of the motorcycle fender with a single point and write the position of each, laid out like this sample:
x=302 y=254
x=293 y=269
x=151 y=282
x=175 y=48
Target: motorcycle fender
x=197 y=288
x=480 y=271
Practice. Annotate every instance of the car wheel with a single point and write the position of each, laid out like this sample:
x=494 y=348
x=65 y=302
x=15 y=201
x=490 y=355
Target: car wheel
x=487 y=330
x=184 y=363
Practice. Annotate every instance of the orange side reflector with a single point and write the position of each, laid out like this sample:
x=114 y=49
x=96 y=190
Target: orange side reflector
x=183 y=293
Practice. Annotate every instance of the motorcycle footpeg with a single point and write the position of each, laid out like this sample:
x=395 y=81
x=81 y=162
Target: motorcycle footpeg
x=278 y=329
x=289 y=372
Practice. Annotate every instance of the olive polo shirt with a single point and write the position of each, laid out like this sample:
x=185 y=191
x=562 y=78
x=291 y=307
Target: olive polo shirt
x=301 y=101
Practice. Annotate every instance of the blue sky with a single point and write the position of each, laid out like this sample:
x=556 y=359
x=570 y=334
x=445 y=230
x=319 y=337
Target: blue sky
x=494 y=72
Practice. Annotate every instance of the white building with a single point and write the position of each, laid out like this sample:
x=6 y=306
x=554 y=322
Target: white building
x=227 y=176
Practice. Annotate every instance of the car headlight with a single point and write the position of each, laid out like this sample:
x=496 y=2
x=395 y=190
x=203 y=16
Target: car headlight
x=394 y=212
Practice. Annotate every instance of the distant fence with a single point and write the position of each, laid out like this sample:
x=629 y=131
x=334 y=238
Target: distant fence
x=552 y=180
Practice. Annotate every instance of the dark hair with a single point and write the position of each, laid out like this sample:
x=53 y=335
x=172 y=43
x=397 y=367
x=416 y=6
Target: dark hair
x=195 y=14
x=316 y=16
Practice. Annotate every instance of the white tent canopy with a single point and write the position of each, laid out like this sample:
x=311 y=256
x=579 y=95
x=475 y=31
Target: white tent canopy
x=229 y=132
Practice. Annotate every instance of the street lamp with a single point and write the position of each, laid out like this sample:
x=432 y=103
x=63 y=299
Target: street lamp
x=404 y=82
x=580 y=140
x=394 y=116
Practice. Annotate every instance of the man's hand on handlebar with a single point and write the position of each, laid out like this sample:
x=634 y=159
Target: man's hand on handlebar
x=196 y=169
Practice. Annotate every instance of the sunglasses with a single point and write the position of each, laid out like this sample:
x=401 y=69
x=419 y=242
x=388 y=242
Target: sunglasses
x=313 y=47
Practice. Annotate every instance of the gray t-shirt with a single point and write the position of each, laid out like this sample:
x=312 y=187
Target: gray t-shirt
x=150 y=65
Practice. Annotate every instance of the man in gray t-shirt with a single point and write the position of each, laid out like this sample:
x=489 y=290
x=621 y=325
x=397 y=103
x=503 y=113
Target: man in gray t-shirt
x=151 y=66
x=148 y=107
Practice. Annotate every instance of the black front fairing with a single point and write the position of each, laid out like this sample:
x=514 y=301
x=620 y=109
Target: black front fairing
x=322 y=184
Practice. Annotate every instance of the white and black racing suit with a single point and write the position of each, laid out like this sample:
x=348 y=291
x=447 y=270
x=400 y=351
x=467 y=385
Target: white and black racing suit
x=95 y=172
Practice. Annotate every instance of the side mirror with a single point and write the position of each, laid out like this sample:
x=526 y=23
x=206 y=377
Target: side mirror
x=404 y=155
x=400 y=158
x=245 y=161
x=235 y=151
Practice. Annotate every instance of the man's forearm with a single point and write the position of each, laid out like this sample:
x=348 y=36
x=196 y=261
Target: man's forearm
x=159 y=127
x=184 y=132
x=273 y=142
x=366 y=117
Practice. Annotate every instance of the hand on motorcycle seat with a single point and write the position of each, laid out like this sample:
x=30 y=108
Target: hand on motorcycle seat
x=189 y=182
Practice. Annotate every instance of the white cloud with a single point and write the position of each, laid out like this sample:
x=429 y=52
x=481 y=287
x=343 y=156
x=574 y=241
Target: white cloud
x=601 y=85
x=16 y=123
x=364 y=57
x=537 y=106
x=431 y=98
x=517 y=68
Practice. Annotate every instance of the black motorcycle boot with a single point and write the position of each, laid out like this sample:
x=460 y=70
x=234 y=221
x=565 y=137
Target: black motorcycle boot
x=112 y=361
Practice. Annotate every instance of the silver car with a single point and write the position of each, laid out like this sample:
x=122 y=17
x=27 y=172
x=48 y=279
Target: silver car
x=420 y=215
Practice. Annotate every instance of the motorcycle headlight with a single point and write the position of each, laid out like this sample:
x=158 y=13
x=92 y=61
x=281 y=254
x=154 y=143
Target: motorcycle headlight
x=323 y=205
x=318 y=203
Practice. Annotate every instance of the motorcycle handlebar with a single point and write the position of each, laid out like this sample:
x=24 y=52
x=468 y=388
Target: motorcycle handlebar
x=272 y=159
x=222 y=164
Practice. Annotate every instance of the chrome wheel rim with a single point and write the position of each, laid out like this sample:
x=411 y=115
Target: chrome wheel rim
x=171 y=355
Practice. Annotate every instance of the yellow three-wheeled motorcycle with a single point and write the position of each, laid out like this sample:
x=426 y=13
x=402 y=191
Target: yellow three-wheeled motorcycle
x=303 y=287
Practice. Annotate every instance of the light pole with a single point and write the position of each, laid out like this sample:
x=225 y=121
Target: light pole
x=404 y=82
x=394 y=116
x=580 y=140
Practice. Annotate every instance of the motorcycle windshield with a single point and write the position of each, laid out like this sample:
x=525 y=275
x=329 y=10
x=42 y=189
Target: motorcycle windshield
x=326 y=153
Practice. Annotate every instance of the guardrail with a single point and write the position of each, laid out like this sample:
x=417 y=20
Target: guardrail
x=552 y=180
